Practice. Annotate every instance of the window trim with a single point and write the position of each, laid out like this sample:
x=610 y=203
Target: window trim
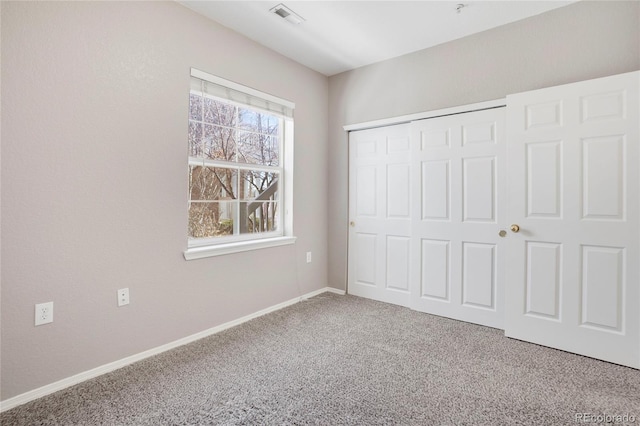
x=240 y=88
x=207 y=247
x=236 y=247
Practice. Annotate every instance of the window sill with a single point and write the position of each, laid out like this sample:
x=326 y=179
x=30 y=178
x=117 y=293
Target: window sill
x=237 y=247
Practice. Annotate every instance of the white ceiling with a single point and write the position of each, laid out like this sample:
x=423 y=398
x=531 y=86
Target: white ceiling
x=337 y=36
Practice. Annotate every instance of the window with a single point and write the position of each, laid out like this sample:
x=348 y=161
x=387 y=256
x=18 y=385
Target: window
x=240 y=143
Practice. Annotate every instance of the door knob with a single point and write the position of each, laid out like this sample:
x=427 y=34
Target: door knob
x=515 y=228
x=352 y=223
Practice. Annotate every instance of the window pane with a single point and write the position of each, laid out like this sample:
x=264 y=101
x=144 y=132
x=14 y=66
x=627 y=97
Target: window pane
x=211 y=219
x=219 y=143
x=195 y=138
x=258 y=121
x=220 y=113
x=212 y=183
x=258 y=216
x=258 y=185
x=256 y=148
x=195 y=107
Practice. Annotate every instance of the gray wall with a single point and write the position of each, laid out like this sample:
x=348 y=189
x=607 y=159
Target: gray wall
x=577 y=42
x=94 y=126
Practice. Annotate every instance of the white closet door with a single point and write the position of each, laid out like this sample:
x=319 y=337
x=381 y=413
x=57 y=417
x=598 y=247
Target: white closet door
x=573 y=274
x=458 y=170
x=380 y=214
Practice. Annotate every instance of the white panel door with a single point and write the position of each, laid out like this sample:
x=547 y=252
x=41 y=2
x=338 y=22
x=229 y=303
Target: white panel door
x=380 y=214
x=573 y=275
x=458 y=167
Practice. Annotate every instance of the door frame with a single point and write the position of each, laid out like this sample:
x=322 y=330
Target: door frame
x=400 y=119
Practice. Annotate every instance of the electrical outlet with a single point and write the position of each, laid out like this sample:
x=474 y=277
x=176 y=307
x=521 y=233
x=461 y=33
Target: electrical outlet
x=44 y=313
x=308 y=257
x=123 y=296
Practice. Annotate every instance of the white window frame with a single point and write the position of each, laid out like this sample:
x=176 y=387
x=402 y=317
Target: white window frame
x=216 y=246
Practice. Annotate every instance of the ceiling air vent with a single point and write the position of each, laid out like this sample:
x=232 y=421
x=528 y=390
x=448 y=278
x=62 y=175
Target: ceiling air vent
x=284 y=12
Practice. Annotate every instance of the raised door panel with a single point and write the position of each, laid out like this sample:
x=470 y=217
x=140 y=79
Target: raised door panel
x=544 y=179
x=434 y=267
x=435 y=195
x=543 y=115
x=479 y=133
x=603 y=106
x=603 y=177
x=365 y=262
x=479 y=191
x=398 y=255
x=366 y=190
x=366 y=148
x=543 y=279
x=396 y=145
x=435 y=139
x=397 y=188
x=478 y=275
x=601 y=288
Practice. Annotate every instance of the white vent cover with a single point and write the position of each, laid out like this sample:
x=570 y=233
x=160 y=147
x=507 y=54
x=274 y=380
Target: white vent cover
x=284 y=12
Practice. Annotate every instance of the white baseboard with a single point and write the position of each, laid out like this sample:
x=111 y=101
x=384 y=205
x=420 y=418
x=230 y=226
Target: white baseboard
x=323 y=290
x=95 y=372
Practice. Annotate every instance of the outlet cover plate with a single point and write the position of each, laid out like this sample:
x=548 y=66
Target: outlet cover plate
x=44 y=313
x=123 y=296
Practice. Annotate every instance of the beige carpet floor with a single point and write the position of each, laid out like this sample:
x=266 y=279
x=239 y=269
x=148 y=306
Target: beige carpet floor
x=344 y=360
